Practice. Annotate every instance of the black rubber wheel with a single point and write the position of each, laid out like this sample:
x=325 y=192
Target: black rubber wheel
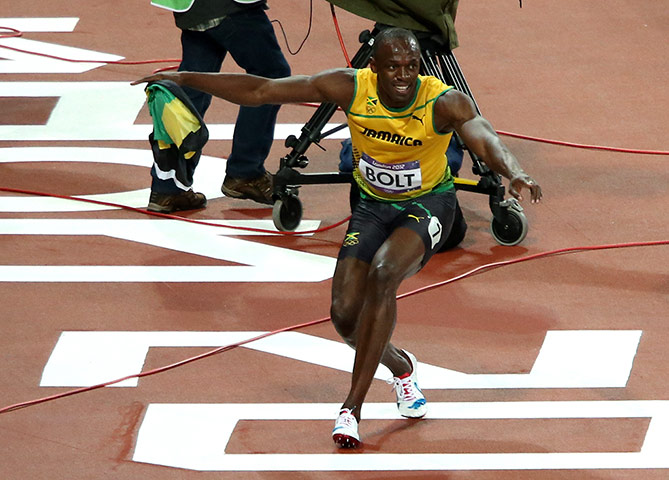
x=287 y=213
x=511 y=229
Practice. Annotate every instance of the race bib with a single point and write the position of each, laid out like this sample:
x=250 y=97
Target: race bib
x=391 y=178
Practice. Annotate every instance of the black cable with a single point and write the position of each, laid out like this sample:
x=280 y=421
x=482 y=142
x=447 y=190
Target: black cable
x=283 y=32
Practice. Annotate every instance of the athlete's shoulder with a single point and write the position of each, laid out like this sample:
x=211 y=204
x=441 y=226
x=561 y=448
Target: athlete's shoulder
x=334 y=75
x=453 y=108
x=364 y=76
x=433 y=84
x=336 y=85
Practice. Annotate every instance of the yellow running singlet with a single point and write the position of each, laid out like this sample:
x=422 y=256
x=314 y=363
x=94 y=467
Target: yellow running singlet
x=397 y=153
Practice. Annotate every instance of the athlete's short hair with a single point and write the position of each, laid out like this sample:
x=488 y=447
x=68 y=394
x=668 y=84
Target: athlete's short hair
x=391 y=34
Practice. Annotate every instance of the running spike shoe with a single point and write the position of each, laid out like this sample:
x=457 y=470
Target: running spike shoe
x=345 y=432
x=410 y=400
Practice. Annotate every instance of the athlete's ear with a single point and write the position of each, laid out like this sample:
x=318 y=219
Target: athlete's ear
x=372 y=64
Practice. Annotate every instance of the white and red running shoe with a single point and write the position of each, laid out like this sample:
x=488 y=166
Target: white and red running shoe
x=410 y=400
x=345 y=432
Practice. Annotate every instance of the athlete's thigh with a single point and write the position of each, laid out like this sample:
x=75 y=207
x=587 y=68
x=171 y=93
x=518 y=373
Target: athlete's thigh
x=348 y=288
x=431 y=217
x=368 y=228
x=400 y=256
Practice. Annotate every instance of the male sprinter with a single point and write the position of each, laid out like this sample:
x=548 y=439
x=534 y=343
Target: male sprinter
x=400 y=125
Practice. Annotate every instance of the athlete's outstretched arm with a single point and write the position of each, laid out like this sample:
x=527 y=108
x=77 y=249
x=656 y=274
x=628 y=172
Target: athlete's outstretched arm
x=455 y=111
x=244 y=89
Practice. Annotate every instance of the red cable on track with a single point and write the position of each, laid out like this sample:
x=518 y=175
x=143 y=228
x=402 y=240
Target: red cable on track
x=157 y=370
x=168 y=216
x=581 y=145
x=558 y=142
x=17 y=33
x=482 y=268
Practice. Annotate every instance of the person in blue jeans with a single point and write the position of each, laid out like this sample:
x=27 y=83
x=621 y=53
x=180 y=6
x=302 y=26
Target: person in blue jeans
x=210 y=29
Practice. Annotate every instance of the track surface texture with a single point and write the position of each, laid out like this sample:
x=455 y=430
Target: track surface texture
x=543 y=369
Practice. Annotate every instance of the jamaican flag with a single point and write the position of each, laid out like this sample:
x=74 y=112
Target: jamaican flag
x=178 y=136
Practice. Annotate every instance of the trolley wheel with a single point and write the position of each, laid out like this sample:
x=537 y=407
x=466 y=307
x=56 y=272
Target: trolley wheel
x=511 y=228
x=287 y=213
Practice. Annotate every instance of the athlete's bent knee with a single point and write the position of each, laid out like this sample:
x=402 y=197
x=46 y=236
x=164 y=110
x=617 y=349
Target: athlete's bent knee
x=344 y=314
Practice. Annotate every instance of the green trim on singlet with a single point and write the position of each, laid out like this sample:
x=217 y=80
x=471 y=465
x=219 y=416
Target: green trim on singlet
x=355 y=93
x=402 y=109
x=434 y=126
x=447 y=184
x=392 y=117
x=419 y=205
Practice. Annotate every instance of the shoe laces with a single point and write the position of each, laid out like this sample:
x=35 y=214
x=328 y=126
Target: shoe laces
x=404 y=387
x=346 y=418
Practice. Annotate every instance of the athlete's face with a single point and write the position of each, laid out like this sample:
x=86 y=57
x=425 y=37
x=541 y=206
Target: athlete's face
x=396 y=64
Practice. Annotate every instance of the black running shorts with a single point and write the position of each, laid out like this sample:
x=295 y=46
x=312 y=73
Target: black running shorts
x=431 y=216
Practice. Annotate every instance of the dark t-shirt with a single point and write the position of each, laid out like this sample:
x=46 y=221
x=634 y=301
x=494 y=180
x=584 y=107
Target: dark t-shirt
x=205 y=10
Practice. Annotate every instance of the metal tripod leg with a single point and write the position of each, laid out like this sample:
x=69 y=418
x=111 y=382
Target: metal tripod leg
x=287 y=211
x=445 y=67
x=509 y=224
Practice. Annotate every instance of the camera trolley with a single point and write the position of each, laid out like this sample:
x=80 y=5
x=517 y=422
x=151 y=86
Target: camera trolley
x=508 y=224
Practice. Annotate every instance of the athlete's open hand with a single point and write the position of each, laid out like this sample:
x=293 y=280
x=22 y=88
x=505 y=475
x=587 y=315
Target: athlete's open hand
x=521 y=181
